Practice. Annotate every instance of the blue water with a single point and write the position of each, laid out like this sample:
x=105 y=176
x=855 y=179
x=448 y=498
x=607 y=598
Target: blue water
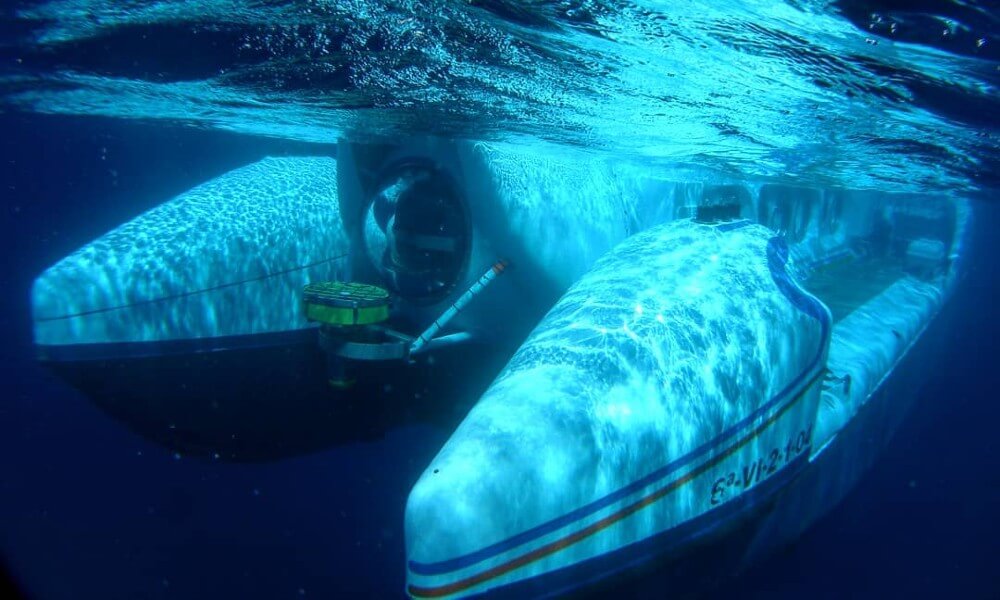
x=110 y=108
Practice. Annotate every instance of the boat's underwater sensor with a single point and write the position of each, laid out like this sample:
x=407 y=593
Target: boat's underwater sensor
x=352 y=316
x=345 y=304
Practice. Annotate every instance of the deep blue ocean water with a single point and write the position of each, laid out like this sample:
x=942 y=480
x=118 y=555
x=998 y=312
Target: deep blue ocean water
x=90 y=509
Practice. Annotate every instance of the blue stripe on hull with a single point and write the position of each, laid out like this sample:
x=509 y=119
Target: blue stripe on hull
x=712 y=524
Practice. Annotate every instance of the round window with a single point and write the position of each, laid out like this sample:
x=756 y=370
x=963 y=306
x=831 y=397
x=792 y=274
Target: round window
x=417 y=232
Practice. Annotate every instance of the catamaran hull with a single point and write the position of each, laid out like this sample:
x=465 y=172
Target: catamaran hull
x=699 y=555
x=687 y=391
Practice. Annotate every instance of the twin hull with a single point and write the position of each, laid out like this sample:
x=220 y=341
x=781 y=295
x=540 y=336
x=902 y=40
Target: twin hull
x=699 y=350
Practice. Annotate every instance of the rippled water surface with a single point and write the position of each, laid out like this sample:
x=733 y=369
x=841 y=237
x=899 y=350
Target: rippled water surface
x=891 y=95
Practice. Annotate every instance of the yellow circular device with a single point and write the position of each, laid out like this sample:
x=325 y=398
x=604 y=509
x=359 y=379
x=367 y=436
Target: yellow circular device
x=345 y=304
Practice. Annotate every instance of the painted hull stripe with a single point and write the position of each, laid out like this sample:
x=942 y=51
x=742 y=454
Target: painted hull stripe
x=598 y=526
x=777 y=257
x=669 y=542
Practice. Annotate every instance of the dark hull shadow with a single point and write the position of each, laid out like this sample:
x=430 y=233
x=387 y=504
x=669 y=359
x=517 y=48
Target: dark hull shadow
x=268 y=403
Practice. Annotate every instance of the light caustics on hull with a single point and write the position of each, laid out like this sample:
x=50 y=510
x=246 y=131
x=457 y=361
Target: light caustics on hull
x=699 y=347
x=686 y=351
x=220 y=266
